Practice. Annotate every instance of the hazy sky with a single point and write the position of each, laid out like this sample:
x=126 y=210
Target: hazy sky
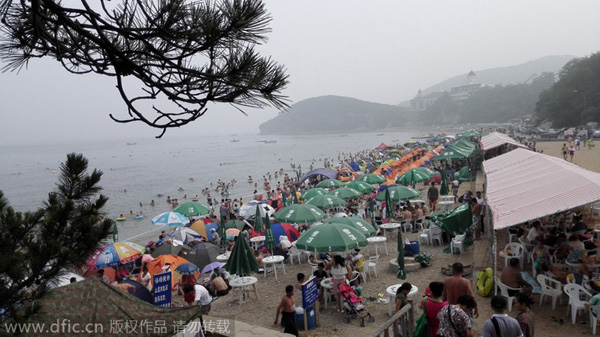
x=379 y=51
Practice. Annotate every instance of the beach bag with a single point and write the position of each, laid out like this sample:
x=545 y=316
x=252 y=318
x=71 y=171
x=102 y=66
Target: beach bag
x=422 y=324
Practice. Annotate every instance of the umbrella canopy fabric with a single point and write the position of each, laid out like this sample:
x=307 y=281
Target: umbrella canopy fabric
x=444 y=189
x=413 y=176
x=456 y=221
x=346 y=193
x=361 y=186
x=141 y=292
x=398 y=193
x=371 y=178
x=231 y=233
x=366 y=229
x=242 y=260
x=203 y=254
x=211 y=266
x=459 y=150
x=313 y=192
x=389 y=210
x=401 y=273
x=302 y=213
x=191 y=209
x=330 y=183
x=114 y=254
x=170 y=248
x=156 y=266
x=249 y=210
x=239 y=224
x=203 y=228
x=465 y=175
x=258 y=224
x=170 y=219
x=279 y=229
x=326 y=172
x=326 y=201
x=331 y=237
x=184 y=234
x=269 y=237
x=187 y=269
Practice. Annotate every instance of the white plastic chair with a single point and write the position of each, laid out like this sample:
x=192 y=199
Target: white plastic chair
x=419 y=223
x=528 y=248
x=593 y=318
x=550 y=287
x=504 y=292
x=294 y=252
x=516 y=252
x=424 y=236
x=372 y=265
x=406 y=225
x=457 y=243
x=355 y=276
x=435 y=233
x=577 y=299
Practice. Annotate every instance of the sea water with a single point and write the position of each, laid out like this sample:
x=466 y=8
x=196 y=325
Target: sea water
x=144 y=169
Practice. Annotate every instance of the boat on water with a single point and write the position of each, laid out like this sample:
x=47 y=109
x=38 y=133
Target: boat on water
x=270 y=141
x=132 y=143
x=380 y=134
x=343 y=135
x=235 y=140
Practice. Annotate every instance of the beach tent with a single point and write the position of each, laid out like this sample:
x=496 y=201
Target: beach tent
x=170 y=248
x=203 y=227
x=496 y=139
x=282 y=229
x=141 y=292
x=156 y=266
x=455 y=221
x=522 y=185
x=464 y=175
x=459 y=150
x=382 y=146
x=329 y=173
x=202 y=254
x=92 y=303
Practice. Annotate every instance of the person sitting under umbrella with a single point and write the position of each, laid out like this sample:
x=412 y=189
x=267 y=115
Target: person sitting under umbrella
x=218 y=285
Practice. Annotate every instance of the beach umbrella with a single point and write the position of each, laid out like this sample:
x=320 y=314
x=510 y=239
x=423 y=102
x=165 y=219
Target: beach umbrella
x=159 y=265
x=371 y=178
x=239 y=224
x=346 y=193
x=330 y=183
x=258 y=224
x=172 y=248
x=241 y=261
x=170 y=219
x=141 y=292
x=302 y=213
x=191 y=209
x=366 y=229
x=401 y=273
x=222 y=231
x=203 y=254
x=270 y=243
x=249 y=210
x=361 y=186
x=331 y=237
x=280 y=229
x=389 y=211
x=413 y=176
x=231 y=233
x=398 y=193
x=184 y=234
x=444 y=187
x=211 y=266
x=115 y=254
x=326 y=201
x=203 y=227
x=187 y=269
x=313 y=192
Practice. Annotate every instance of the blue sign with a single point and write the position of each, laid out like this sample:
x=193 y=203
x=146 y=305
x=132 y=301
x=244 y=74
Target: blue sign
x=162 y=289
x=310 y=292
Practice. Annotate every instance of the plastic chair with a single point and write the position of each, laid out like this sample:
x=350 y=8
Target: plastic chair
x=435 y=233
x=550 y=287
x=355 y=276
x=504 y=292
x=528 y=248
x=577 y=299
x=516 y=251
x=294 y=252
x=420 y=223
x=424 y=236
x=372 y=264
x=593 y=318
x=406 y=225
x=457 y=243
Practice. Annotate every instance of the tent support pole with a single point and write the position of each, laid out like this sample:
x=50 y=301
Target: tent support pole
x=495 y=260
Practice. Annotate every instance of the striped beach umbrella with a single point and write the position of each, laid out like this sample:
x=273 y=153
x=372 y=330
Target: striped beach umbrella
x=170 y=219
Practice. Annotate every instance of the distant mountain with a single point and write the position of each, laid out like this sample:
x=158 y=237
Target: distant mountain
x=334 y=114
x=507 y=75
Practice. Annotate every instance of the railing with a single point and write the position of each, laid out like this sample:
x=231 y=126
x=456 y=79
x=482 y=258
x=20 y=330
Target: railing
x=406 y=317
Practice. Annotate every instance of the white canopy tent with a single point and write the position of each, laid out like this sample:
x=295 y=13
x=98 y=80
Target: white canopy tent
x=497 y=139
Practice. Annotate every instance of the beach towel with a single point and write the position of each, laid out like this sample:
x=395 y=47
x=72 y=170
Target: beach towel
x=536 y=287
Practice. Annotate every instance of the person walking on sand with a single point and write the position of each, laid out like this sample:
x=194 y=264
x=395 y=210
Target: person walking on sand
x=571 y=152
x=286 y=307
x=565 y=150
x=501 y=324
x=432 y=195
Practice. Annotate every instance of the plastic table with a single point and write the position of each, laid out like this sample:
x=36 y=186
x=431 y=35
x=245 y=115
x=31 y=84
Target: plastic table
x=223 y=257
x=274 y=260
x=389 y=227
x=391 y=292
x=243 y=284
x=257 y=241
x=376 y=241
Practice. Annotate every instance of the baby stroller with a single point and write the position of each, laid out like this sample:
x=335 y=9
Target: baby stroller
x=353 y=305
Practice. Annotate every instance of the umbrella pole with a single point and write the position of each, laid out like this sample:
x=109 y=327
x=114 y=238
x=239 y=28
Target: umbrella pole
x=495 y=260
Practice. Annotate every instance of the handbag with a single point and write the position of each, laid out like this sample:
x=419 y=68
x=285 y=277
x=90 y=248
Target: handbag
x=422 y=324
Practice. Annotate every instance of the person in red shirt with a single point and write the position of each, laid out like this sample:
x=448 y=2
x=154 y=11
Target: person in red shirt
x=433 y=306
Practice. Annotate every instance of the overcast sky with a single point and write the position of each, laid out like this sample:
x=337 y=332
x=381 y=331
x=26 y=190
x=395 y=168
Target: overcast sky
x=379 y=51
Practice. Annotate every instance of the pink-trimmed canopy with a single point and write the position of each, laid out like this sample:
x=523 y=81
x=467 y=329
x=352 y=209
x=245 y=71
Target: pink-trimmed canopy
x=523 y=185
x=496 y=139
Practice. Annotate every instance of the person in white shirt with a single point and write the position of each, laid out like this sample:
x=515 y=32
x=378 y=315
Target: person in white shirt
x=481 y=201
x=202 y=297
x=534 y=233
x=455 y=184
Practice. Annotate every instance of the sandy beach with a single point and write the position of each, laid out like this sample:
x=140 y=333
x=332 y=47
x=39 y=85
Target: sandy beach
x=262 y=312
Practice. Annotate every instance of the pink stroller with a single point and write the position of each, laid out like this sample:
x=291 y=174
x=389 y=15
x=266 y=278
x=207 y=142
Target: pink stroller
x=353 y=305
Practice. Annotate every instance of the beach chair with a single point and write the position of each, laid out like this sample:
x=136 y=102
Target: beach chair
x=504 y=292
x=594 y=318
x=516 y=251
x=550 y=287
x=435 y=233
x=578 y=297
x=457 y=243
x=372 y=265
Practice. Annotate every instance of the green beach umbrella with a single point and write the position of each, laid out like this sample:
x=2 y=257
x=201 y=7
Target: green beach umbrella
x=239 y=224
x=295 y=197
x=360 y=224
x=398 y=193
x=330 y=183
x=444 y=190
x=401 y=273
x=331 y=237
x=361 y=186
x=302 y=213
x=346 y=193
x=372 y=214
x=270 y=243
x=389 y=212
x=313 y=192
x=242 y=261
x=258 y=224
x=371 y=178
x=412 y=177
x=222 y=231
x=190 y=209
x=326 y=201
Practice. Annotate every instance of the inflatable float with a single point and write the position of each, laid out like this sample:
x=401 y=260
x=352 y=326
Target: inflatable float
x=485 y=282
x=139 y=217
x=121 y=218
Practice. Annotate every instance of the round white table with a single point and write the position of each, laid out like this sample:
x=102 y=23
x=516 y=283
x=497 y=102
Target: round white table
x=376 y=241
x=275 y=260
x=327 y=286
x=257 y=241
x=391 y=292
x=243 y=284
x=445 y=205
x=223 y=257
x=416 y=201
x=389 y=227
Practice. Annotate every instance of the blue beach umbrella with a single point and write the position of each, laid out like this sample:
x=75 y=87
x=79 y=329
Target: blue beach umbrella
x=170 y=219
x=187 y=269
